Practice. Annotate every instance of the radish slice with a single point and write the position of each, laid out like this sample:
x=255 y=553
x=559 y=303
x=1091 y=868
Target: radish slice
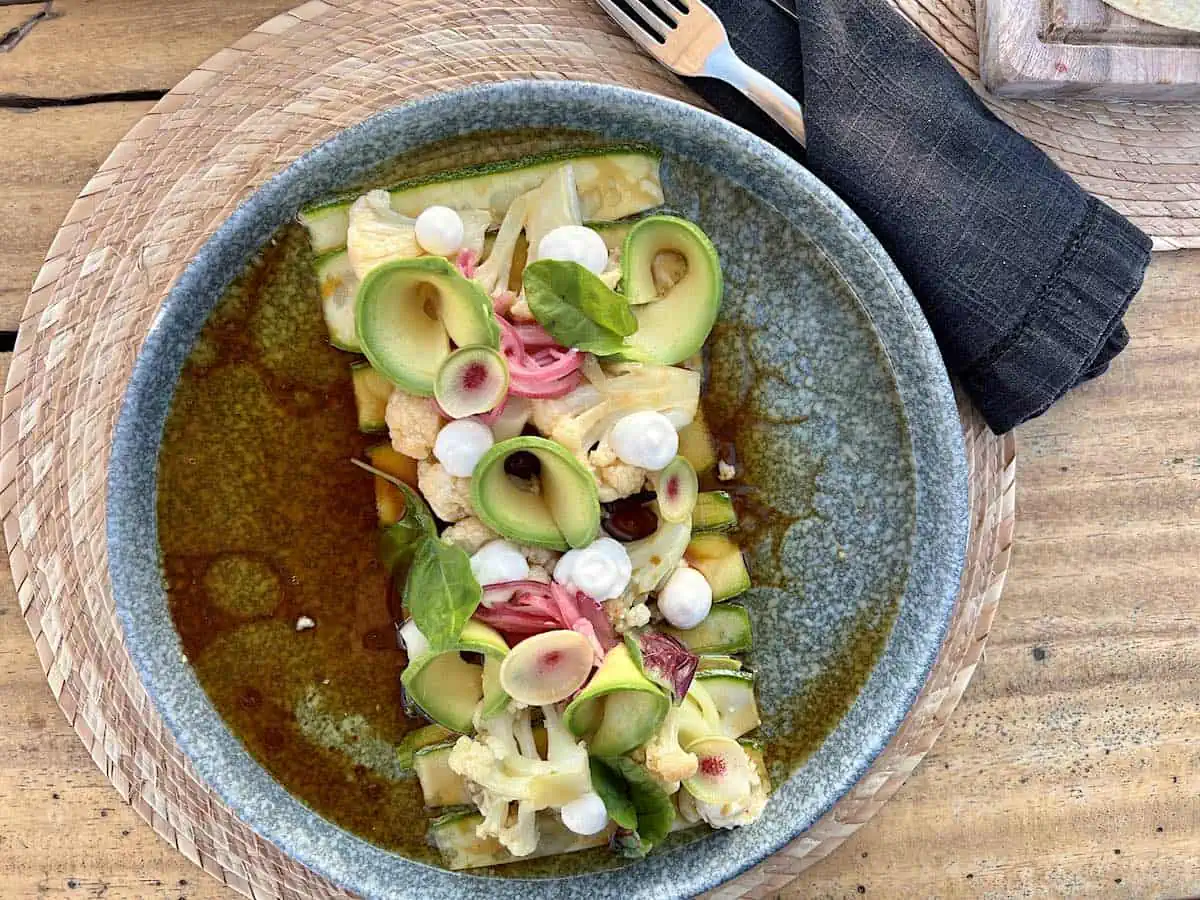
x=677 y=487
x=471 y=380
x=547 y=668
x=723 y=773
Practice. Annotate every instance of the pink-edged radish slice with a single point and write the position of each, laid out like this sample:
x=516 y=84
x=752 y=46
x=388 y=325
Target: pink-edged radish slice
x=723 y=771
x=547 y=667
x=471 y=381
x=677 y=487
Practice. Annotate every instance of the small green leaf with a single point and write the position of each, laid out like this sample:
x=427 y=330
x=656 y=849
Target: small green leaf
x=577 y=308
x=398 y=543
x=441 y=592
x=655 y=811
x=635 y=801
x=613 y=790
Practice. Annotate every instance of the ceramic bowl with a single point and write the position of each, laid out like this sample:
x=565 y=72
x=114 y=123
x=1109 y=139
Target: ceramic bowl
x=846 y=424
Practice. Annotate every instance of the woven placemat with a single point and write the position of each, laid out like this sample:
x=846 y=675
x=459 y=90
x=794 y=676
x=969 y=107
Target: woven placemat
x=1141 y=157
x=243 y=115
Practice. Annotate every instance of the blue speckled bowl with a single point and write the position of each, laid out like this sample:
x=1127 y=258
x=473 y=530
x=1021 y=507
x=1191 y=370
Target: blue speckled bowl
x=848 y=424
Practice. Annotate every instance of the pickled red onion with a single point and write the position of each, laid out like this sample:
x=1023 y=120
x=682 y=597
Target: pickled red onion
x=536 y=607
x=550 y=372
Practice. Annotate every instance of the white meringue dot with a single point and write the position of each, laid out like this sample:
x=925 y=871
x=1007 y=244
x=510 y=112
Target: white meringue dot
x=686 y=599
x=499 y=561
x=440 y=231
x=646 y=439
x=461 y=444
x=585 y=815
x=415 y=643
x=575 y=243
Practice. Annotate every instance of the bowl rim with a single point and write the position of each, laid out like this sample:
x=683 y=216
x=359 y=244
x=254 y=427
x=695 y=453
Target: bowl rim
x=940 y=527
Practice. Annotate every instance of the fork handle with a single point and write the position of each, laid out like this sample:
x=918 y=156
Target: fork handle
x=777 y=103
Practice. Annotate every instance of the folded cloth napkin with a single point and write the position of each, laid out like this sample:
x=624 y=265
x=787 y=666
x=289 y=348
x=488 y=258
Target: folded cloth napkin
x=1023 y=276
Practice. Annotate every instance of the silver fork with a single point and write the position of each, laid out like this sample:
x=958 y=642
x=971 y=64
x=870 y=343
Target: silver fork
x=695 y=43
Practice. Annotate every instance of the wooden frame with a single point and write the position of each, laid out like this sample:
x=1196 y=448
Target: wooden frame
x=1083 y=49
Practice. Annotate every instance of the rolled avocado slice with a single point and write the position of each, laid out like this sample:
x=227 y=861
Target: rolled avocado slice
x=411 y=310
x=564 y=512
x=447 y=688
x=672 y=277
x=619 y=709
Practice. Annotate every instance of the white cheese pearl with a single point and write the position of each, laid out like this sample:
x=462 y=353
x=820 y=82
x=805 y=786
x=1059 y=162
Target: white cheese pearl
x=645 y=439
x=461 y=444
x=586 y=814
x=686 y=599
x=498 y=561
x=440 y=231
x=601 y=570
x=575 y=243
x=415 y=643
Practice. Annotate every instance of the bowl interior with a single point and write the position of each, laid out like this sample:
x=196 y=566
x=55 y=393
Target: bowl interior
x=822 y=374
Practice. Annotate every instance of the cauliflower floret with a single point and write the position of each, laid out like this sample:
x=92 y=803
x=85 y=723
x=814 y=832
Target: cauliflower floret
x=413 y=424
x=614 y=479
x=376 y=233
x=604 y=455
x=743 y=811
x=611 y=277
x=520 y=311
x=470 y=534
x=502 y=767
x=539 y=556
x=668 y=762
x=549 y=415
x=628 y=611
x=448 y=496
x=539 y=573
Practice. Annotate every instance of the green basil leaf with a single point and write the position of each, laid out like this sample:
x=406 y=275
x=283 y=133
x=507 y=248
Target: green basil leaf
x=635 y=801
x=655 y=811
x=441 y=592
x=629 y=844
x=608 y=783
x=577 y=308
x=398 y=543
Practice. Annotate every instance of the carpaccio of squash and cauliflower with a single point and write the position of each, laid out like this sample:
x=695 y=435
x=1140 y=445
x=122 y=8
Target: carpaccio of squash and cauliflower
x=533 y=335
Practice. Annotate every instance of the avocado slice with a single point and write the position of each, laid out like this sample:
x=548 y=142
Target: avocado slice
x=676 y=310
x=619 y=709
x=448 y=688
x=409 y=313
x=563 y=513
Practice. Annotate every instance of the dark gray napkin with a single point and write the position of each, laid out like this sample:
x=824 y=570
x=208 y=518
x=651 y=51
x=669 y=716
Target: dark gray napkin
x=1023 y=276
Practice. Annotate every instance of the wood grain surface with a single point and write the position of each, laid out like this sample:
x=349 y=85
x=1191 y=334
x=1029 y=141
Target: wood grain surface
x=1083 y=49
x=1070 y=767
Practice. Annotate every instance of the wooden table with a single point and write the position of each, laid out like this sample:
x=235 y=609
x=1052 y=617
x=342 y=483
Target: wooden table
x=1069 y=768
